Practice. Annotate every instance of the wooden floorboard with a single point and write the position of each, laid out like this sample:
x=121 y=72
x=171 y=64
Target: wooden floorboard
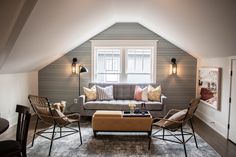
x=224 y=147
x=221 y=145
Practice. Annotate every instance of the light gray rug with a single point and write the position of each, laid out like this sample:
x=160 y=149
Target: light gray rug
x=116 y=145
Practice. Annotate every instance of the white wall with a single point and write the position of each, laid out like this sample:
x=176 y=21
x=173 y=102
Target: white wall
x=14 y=89
x=218 y=120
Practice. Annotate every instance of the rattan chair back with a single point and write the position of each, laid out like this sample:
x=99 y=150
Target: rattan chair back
x=41 y=107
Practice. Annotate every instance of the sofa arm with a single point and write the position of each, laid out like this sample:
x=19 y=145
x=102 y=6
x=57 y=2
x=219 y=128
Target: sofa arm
x=81 y=100
x=162 y=98
x=77 y=107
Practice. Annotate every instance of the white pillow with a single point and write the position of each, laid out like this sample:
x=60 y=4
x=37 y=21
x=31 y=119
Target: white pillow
x=105 y=93
x=176 y=117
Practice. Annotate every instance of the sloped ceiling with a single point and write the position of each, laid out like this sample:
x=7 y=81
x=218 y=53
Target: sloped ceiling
x=54 y=27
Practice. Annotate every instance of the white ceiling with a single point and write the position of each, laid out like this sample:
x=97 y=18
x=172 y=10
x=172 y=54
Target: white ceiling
x=54 y=27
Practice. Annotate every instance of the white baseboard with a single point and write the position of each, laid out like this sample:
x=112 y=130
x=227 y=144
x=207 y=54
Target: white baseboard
x=218 y=127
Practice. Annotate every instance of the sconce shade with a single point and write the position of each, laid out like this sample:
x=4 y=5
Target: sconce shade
x=174 y=66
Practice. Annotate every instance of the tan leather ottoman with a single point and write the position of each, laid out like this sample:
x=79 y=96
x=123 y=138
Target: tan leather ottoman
x=116 y=121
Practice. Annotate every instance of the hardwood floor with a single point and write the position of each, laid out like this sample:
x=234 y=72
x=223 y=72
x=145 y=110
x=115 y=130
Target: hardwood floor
x=224 y=147
x=221 y=145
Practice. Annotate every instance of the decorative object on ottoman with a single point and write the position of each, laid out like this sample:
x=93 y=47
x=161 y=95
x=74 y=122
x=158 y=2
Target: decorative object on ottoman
x=131 y=108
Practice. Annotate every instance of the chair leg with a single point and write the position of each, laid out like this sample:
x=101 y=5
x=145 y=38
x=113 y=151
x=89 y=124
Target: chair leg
x=52 y=139
x=60 y=132
x=24 y=152
x=183 y=141
x=80 y=133
x=35 y=129
x=193 y=133
x=150 y=139
x=19 y=155
x=163 y=135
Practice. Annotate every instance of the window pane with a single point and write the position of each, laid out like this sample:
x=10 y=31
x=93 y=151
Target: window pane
x=139 y=60
x=108 y=60
x=113 y=78
x=138 y=78
x=108 y=65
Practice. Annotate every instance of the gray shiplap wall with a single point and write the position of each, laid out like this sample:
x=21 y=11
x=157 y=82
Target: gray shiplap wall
x=57 y=83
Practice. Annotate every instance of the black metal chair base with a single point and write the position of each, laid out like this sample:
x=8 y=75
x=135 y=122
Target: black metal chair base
x=180 y=141
x=69 y=132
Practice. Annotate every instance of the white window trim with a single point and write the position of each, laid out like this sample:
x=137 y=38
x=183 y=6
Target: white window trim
x=123 y=44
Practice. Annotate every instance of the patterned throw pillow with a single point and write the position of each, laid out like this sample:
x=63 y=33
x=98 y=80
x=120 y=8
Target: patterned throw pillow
x=105 y=93
x=141 y=94
x=154 y=94
x=90 y=93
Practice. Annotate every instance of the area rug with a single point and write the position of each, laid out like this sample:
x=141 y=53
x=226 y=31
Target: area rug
x=117 y=145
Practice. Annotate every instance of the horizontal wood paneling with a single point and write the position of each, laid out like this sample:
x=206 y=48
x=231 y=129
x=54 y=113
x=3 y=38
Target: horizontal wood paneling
x=57 y=83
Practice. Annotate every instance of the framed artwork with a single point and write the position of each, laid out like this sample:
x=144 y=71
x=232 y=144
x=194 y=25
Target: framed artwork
x=210 y=86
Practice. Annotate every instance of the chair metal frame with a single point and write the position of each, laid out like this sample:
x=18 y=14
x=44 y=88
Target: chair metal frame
x=179 y=126
x=53 y=122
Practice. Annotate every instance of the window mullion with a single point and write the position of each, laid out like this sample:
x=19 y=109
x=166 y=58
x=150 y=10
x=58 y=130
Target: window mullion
x=123 y=65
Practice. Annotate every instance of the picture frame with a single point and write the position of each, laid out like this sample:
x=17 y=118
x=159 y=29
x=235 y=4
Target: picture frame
x=209 y=84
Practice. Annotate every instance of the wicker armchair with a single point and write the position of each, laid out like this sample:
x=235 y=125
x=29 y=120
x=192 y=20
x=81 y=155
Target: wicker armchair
x=52 y=116
x=174 y=121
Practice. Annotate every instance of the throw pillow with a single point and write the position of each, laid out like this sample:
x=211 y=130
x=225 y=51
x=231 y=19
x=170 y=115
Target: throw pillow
x=61 y=119
x=105 y=93
x=90 y=93
x=154 y=94
x=141 y=94
x=176 y=117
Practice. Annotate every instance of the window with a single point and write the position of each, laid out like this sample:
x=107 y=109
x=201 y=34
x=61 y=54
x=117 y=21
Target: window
x=108 y=64
x=127 y=61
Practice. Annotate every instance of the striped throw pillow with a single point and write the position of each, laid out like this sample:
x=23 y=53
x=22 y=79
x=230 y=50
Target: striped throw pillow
x=105 y=93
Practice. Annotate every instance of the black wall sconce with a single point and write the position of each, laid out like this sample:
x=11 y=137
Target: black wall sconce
x=174 y=66
x=74 y=66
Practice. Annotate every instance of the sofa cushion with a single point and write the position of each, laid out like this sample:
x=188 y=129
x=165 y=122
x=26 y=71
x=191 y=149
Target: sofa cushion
x=121 y=105
x=105 y=93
